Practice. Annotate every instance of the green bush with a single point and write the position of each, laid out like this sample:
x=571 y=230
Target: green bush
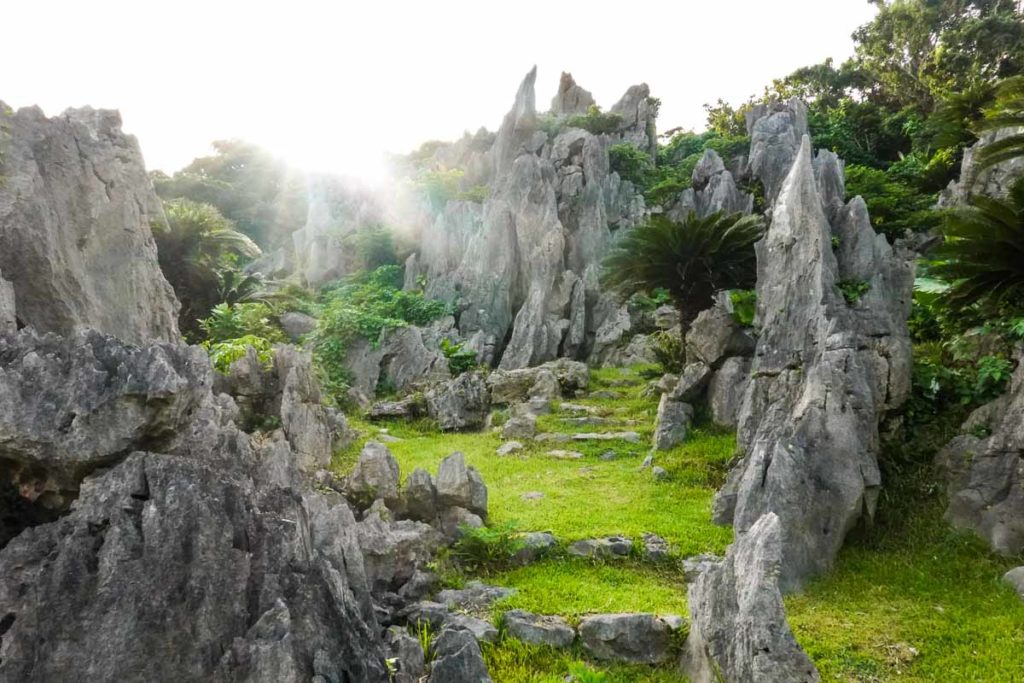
x=853 y=290
x=744 y=305
x=224 y=353
x=229 y=322
x=630 y=163
x=659 y=296
x=670 y=352
x=459 y=360
x=596 y=122
x=364 y=306
x=487 y=548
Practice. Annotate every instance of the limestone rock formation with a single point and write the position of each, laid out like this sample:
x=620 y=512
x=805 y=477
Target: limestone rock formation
x=738 y=629
x=570 y=98
x=825 y=370
x=192 y=552
x=991 y=182
x=523 y=265
x=986 y=475
x=714 y=189
x=776 y=130
x=76 y=208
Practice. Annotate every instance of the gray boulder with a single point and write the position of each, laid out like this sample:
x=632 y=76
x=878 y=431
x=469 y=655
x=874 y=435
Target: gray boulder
x=994 y=181
x=420 y=496
x=984 y=475
x=475 y=596
x=738 y=629
x=407 y=408
x=692 y=383
x=715 y=336
x=672 y=423
x=454 y=519
x=76 y=208
x=509 y=447
x=394 y=551
x=407 y=653
x=552 y=631
x=457 y=658
x=523 y=427
x=612 y=546
x=461 y=486
x=535 y=545
x=461 y=403
x=1015 y=579
x=635 y=638
x=375 y=476
x=297 y=324
x=315 y=431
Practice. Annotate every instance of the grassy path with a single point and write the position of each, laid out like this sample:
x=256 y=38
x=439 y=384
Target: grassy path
x=924 y=604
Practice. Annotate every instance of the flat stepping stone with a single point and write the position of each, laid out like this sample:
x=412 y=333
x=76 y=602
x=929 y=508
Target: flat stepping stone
x=532 y=495
x=564 y=455
x=604 y=394
x=475 y=595
x=634 y=638
x=631 y=437
x=555 y=437
x=538 y=629
x=577 y=408
x=437 y=615
x=611 y=546
x=509 y=447
x=588 y=420
x=536 y=544
x=656 y=548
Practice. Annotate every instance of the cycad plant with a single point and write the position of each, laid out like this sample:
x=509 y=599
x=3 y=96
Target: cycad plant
x=983 y=254
x=1007 y=112
x=194 y=249
x=691 y=259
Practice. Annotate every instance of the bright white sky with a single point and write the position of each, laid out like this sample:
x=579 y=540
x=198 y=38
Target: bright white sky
x=330 y=86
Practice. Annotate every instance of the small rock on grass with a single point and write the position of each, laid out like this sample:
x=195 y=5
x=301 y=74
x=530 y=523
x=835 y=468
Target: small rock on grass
x=611 y=546
x=647 y=462
x=655 y=547
x=536 y=544
x=1015 y=577
x=638 y=638
x=609 y=455
x=475 y=595
x=532 y=495
x=631 y=437
x=538 y=629
x=509 y=447
x=659 y=472
x=565 y=455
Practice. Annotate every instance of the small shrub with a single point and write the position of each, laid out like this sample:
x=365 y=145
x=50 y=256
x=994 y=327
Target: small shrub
x=630 y=163
x=644 y=301
x=223 y=354
x=670 y=351
x=477 y=193
x=580 y=672
x=487 y=548
x=853 y=290
x=596 y=122
x=744 y=305
x=459 y=360
x=993 y=372
x=230 y=321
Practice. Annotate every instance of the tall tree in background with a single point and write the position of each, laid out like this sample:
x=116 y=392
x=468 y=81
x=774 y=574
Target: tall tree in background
x=258 y=192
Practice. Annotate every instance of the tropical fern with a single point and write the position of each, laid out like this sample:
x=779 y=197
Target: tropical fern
x=691 y=259
x=1007 y=112
x=983 y=255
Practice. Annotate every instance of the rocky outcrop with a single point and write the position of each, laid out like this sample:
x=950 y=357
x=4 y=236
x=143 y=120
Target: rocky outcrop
x=985 y=475
x=523 y=264
x=825 y=370
x=738 y=629
x=192 y=552
x=461 y=403
x=400 y=360
x=776 y=130
x=76 y=208
x=570 y=98
x=994 y=181
x=713 y=189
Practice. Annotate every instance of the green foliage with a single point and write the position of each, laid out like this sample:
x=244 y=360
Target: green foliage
x=983 y=254
x=630 y=163
x=372 y=247
x=853 y=290
x=596 y=122
x=260 y=194
x=744 y=305
x=364 y=306
x=195 y=249
x=691 y=260
x=459 y=360
x=228 y=322
x=894 y=205
x=477 y=193
x=676 y=160
x=440 y=186
x=659 y=296
x=581 y=673
x=726 y=120
x=1006 y=112
x=670 y=352
x=223 y=354
x=487 y=548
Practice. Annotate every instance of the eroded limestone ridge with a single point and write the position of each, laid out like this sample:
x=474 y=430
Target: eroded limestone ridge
x=832 y=357
x=76 y=207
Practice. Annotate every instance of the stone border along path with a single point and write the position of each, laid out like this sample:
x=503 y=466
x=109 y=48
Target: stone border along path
x=631 y=638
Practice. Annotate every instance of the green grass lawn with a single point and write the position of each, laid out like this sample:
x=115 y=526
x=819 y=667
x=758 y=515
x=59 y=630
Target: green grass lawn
x=915 y=602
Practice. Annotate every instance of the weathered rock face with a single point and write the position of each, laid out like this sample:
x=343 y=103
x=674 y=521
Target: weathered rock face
x=775 y=130
x=524 y=263
x=986 y=475
x=461 y=403
x=992 y=182
x=570 y=98
x=76 y=208
x=824 y=371
x=714 y=189
x=738 y=629
x=211 y=559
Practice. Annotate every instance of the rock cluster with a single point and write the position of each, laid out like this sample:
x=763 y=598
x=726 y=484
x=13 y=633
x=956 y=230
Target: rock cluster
x=76 y=208
x=985 y=475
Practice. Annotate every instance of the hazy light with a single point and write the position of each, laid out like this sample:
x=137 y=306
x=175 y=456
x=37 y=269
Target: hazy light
x=333 y=86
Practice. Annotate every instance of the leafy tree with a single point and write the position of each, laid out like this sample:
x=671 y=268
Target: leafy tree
x=197 y=246
x=1007 y=112
x=691 y=259
x=983 y=256
x=595 y=121
x=630 y=163
x=258 y=192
